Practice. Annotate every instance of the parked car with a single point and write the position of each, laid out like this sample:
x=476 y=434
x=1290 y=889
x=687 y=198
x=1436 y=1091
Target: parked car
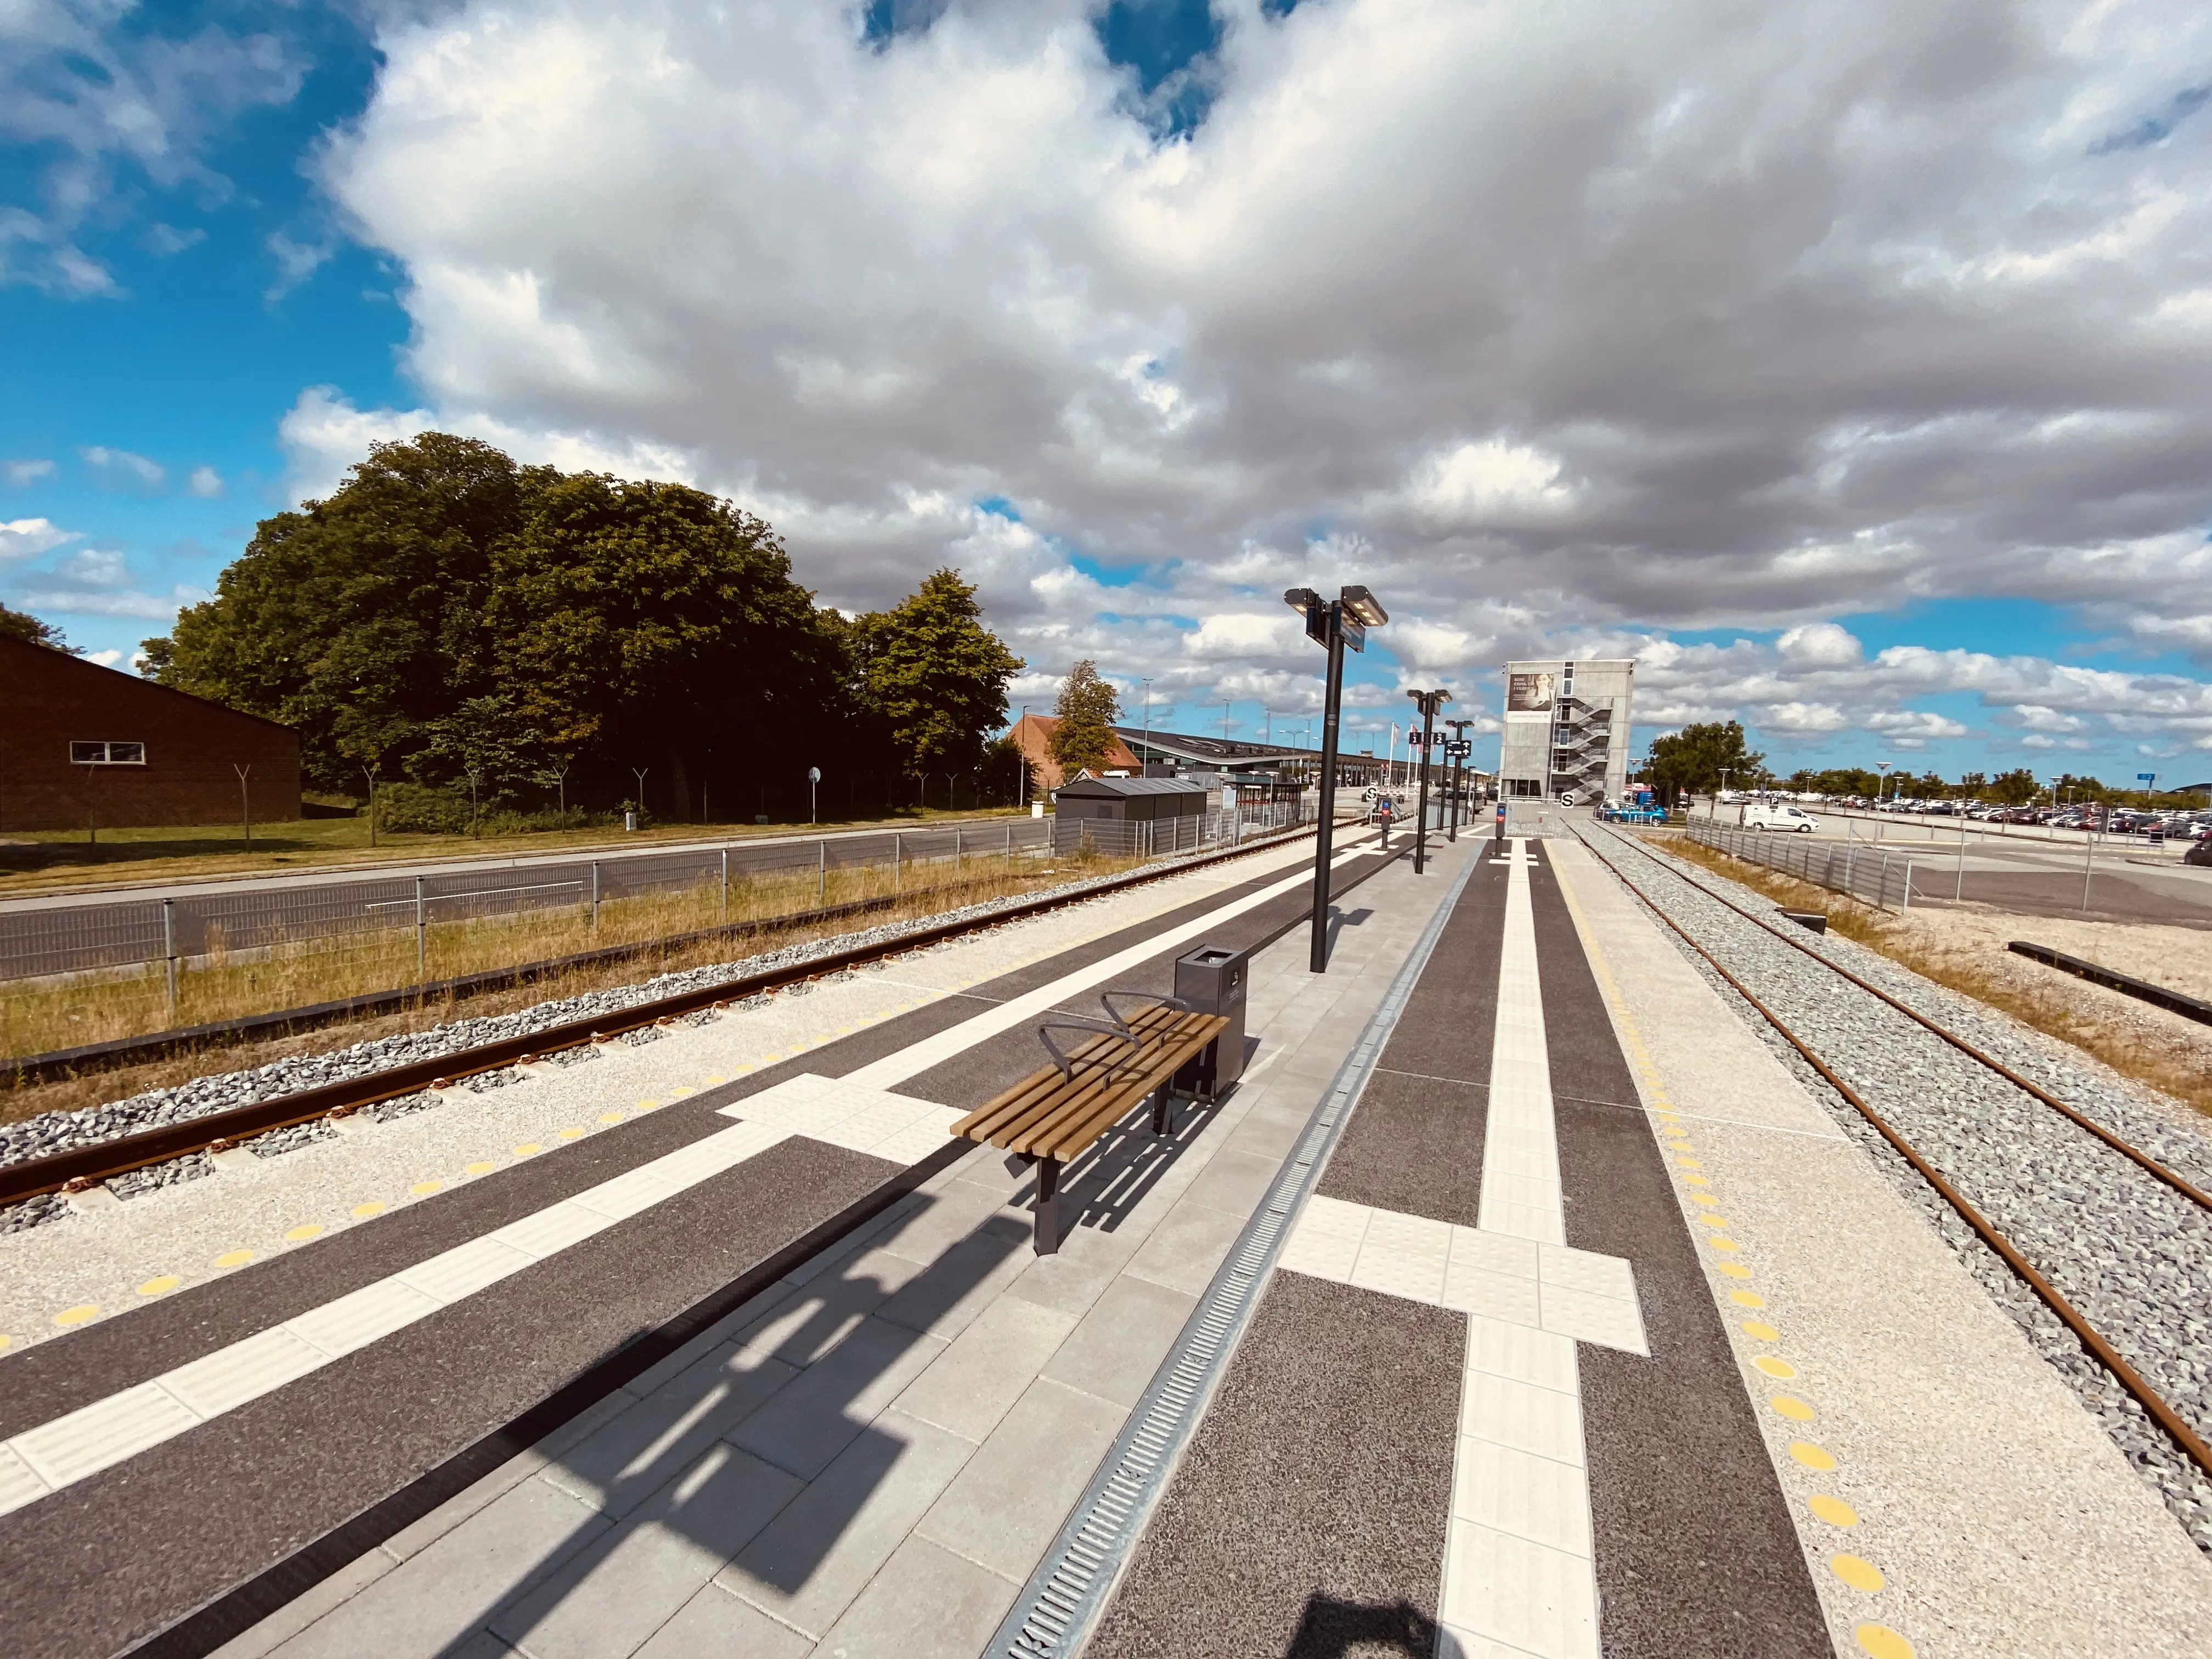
x=1777 y=815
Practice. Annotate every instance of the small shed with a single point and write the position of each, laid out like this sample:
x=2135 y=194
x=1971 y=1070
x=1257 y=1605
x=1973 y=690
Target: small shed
x=1126 y=815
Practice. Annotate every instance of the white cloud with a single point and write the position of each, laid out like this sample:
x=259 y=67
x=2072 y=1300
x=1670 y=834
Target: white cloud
x=205 y=482
x=20 y=473
x=118 y=469
x=295 y=262
x=1556 y=325
x=106 y=658
x=106 y=105
x=131 y=603
x=26 y=538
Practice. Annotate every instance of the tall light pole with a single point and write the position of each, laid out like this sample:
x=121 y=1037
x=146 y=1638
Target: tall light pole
x=1333 y=624
x=1428 y=702
x=1145 y=759
x=1456 y=751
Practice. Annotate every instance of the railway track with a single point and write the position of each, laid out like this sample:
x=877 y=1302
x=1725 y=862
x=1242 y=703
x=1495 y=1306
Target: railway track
x=80 y=1167
x=2160 y=1410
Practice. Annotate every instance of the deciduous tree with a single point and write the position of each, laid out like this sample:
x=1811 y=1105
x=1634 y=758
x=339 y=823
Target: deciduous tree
x=1692 y=758
x=1087 y=710
x=935 y=675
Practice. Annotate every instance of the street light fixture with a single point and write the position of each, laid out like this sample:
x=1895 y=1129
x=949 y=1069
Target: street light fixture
x=1428 y=702
x=1333 y=624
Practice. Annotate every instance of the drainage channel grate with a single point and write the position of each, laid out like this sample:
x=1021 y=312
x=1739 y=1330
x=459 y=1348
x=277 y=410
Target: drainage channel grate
x=1068 y=1591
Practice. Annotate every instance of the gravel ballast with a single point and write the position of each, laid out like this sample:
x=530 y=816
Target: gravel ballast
x=2133 y=1255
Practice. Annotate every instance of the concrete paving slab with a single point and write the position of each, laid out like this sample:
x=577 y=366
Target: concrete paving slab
x=627 y=1460
x=975 y=1381
x=716 y=1622
x=1005 y=1507
x=928 y=1603
x=440 y=1597
x=1114 y=1350
x=610 y=1597
x=808 y=1564
x=801 y=1429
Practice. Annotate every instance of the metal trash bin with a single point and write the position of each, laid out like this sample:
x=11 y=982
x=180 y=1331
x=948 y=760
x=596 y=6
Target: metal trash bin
x=1211 y=981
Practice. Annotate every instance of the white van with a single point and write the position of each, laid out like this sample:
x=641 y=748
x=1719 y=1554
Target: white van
x=1775 y=815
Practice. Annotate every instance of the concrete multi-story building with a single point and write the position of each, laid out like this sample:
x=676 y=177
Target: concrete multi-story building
x=1566 y=731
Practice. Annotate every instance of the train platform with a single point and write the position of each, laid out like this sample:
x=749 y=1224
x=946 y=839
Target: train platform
x=1517 y=1301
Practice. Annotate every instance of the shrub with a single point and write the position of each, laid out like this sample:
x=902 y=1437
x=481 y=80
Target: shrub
x=418 y=809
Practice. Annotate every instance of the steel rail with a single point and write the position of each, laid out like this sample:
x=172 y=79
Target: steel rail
x=2150 y=1164
x=2161 y=1412
x=82 y=1167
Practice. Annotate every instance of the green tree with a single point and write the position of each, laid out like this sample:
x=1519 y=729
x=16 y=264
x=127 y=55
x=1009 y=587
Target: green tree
x=485 y=745
x=2014 y=788
x=653 y=622
x=935 y=675
x=1087 y=710
x=360 y=618
x=21 y=625
x=1692 y=758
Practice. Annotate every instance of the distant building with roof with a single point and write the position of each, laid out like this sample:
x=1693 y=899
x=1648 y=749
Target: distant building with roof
x=85 y=747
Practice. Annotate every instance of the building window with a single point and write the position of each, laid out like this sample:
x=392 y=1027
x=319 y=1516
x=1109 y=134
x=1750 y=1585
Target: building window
x=107 y=754
x=1525 y=787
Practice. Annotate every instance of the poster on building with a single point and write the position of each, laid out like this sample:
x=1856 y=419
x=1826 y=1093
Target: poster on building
x=1529 y=696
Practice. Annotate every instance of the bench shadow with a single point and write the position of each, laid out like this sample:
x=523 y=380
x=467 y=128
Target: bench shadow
x=1341 y=920
x=1104 y=1188
x=1330 y=1629
x=688 y=1475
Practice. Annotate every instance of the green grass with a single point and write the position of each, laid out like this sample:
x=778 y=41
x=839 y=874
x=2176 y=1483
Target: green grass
x=169 y=853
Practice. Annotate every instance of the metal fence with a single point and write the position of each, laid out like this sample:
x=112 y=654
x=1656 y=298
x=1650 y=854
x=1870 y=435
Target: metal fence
x=186 y=930
x=1858 y=868
x=1222 y=826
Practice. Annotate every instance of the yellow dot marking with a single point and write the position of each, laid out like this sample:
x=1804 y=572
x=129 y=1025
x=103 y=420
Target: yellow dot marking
x=1760 y=1331
x=1696 y=1181
x=363 y=1212
x=485 y=1167
x=571 y=1134
x=1713 y=1220
x=1780 y=1369
x=5 y=1339
x=1833 y=1510
x=844 y=1031
x=610 y=1117
x=1706 y=1198
x=424 y=1188
x=1688 y=1163
x=233 y=1259
x=712 y=1081
x=304 y=1230
x=1811 y=1456
x=528 y=1149
x=1747 y=1298
x=77 y=1315
x=1720 y=1243
x=1858 y=1572
x=1791 y=1407
x=645 y=1105
x=1734 y=1269
x=160 y=1286
x=678 y=1094
x=1881 y=1641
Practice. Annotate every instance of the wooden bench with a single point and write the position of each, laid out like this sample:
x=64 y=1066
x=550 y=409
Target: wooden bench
x=1054 y=1115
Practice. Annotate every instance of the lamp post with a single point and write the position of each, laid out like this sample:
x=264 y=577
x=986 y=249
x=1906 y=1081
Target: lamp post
x=1145 y=759
x=1333 y=624
x=1428 y=702
x=813 y=779
x=1457 y=752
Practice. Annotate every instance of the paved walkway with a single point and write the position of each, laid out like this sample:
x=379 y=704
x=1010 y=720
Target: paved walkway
x=872 y=1457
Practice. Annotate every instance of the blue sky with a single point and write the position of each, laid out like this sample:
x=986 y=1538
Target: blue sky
x=171 y=306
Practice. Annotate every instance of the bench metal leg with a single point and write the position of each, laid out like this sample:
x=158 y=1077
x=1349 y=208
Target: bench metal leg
x=1047 y=1239
x=1162 y=1111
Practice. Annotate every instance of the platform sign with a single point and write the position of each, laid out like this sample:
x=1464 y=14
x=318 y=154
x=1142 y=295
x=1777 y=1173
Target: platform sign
x=2146 y=777
x=1459 y=751
x=1353 y=630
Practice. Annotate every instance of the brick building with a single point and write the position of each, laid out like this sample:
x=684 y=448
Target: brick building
x=82 y=746
x=1032 y=734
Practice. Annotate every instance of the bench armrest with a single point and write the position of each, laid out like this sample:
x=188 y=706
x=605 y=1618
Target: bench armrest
x=1089 y=1028
x=1149 y=998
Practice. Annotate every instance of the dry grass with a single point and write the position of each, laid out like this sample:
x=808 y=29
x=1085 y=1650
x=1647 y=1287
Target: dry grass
x=1963 y=950
x=43 y=1018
